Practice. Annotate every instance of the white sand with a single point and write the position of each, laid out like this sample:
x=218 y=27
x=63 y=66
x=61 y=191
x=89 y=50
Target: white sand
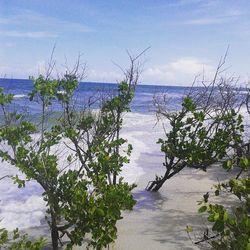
x=158 y=220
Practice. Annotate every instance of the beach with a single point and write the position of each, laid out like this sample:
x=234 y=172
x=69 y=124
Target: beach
x=114 y=105
x=158 y=220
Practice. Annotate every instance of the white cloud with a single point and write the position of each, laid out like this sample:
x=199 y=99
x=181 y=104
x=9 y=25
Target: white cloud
x=234 y=12
x=205 y=21
x=27 y=18
x=38 y=68
x=188 y=66
x=24 y=70
x=209 y=12
x=8 y=44
x=5 y=21
x=103 y=76
x=223 y=17
x=28 y=34
x=179 y=72
x=198 y=3
x=8 y=72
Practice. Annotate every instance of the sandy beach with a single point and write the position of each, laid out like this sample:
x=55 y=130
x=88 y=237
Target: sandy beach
x=71 y=70
x=158 y=220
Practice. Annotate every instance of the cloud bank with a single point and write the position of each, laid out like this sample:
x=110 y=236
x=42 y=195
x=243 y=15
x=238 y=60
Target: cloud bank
x=179 y=72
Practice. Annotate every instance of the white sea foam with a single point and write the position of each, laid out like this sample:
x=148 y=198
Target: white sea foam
x=19 y=207
x=18 y=96
x=132 y=171
x=63 y=92
x=140 y=130
x=23 y=214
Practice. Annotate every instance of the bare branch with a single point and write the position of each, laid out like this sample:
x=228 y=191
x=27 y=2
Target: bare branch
x=5 y=176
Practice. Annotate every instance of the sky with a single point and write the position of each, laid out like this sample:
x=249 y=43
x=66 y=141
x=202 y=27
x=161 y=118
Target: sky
x=187 y=38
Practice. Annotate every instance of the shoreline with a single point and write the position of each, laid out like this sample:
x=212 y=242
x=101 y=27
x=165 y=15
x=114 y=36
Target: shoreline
x=158 y=220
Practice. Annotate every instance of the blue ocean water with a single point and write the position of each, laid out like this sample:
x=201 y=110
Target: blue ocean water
x=142 y=102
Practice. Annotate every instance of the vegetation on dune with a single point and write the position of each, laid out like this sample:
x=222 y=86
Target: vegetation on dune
x=83 y=202
x=205 y=130
x=209 y=129
x=196 y=140
x=229 y=225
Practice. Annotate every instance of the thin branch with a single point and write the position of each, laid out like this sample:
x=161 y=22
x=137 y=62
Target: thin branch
x=5 y=176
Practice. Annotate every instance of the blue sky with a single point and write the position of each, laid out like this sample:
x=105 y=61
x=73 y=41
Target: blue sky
x=186 y=37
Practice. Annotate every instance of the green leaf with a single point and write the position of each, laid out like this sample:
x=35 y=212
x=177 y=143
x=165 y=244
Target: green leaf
x=244 y=161
x=228 y=164
x=202 y=209
x=188 y=104
x=189 y=229
x=248 y=246
x=218 y=226
x=225 y=216
x=100 y=212
x=216 y=216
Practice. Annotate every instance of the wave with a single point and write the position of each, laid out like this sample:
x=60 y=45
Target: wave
x=19 y=96
x=63 y=92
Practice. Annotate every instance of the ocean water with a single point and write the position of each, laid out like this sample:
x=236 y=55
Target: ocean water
x=142 y=102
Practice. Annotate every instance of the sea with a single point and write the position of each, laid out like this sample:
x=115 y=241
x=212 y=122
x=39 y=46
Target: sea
x=143 y=101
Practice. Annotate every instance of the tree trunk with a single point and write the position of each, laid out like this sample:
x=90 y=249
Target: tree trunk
x=117 y=136
x=156 y=185
x=54 y=232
